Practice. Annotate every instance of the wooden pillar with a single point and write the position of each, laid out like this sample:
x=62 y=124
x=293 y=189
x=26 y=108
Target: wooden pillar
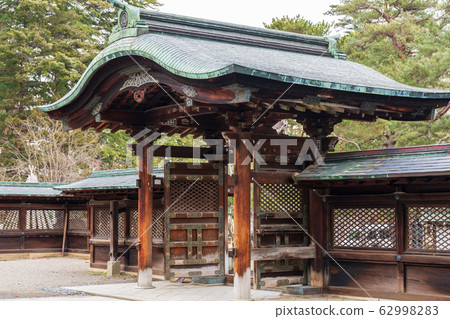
x=22 y=224
x=66 y=228
x=91 y=212
x=317 y=225
x=114 y=230
x=242 y=215
x=400 y=216
x=145 y=208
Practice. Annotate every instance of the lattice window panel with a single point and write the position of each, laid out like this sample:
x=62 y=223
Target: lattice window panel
x=429 y=228
x=45 y=219
x=102 y=223
x=200 y=196
x=364 y=228
x=158 y=223
x=9 y=219
x=122 y=225
x=134 y=222
x=78 y=220
x=279 y=198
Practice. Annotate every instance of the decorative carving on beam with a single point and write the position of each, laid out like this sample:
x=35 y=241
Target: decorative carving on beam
x=137 y=80
x=189 y=91
x=97 y=109
x=170 y=123
x=241 y=94
x=139 y=96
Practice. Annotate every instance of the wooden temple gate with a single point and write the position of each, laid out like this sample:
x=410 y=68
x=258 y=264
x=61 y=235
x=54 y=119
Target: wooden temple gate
x=152 y=79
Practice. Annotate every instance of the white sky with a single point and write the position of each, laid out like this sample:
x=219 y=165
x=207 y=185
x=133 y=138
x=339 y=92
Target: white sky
x=249 y=12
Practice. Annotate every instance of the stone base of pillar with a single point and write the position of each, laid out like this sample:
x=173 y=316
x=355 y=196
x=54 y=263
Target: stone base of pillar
x=210 y=280
x=242 y=286
x=145 y=279
x=113 y=268
x=302 y=290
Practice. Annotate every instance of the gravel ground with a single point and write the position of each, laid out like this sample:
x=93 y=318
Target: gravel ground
x=44 y=277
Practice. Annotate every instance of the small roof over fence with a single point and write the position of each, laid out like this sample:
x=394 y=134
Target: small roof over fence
x=109 y=180
x=420 y=161
x=13 y=189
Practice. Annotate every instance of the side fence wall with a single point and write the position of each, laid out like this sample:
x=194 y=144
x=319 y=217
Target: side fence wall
x=39 y=228
x=388 y=244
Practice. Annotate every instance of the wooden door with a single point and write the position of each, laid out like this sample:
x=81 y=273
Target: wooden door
x=280 y=218
x=194 y=221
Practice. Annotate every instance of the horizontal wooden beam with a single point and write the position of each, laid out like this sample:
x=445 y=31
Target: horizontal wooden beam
x=280 y=253
x=273 y=177
x=155 y=116
x=377 y=256
x=181 y=151
x=122 y=203
x=368 y=255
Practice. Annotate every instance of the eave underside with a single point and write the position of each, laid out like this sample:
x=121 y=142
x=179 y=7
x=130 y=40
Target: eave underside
x=134 y=92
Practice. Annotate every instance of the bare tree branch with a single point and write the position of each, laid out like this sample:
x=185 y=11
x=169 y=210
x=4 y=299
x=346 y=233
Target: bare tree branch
x=444 y=139
x=341 y=139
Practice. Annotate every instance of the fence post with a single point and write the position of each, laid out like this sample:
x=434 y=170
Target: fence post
x=66 y=227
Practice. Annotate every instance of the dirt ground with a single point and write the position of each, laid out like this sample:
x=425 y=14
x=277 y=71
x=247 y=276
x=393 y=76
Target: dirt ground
x=45 y=277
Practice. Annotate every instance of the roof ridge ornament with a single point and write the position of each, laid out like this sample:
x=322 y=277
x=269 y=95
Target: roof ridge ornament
x=129 y=23
x=332 y=47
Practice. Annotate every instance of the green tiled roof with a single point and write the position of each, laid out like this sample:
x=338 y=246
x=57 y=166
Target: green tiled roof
x=29 y=189
x=108 y=180
x=381 y=164
x=201 y=49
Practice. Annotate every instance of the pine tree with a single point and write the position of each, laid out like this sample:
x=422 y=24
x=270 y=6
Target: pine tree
x=298 y=24
x=45 y=46
x=406 y=40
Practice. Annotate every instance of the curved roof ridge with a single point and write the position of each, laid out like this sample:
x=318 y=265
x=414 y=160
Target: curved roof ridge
x=133 y=21
x=221 y=58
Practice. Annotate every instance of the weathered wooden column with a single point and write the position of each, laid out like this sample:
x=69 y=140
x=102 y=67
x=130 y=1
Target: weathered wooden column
x=400 y=231
x=145 y=208
x=22 y=224
x=114 y=230
x=66 y=227
x=317 y=226
x=113 y=266
x=242 y=215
